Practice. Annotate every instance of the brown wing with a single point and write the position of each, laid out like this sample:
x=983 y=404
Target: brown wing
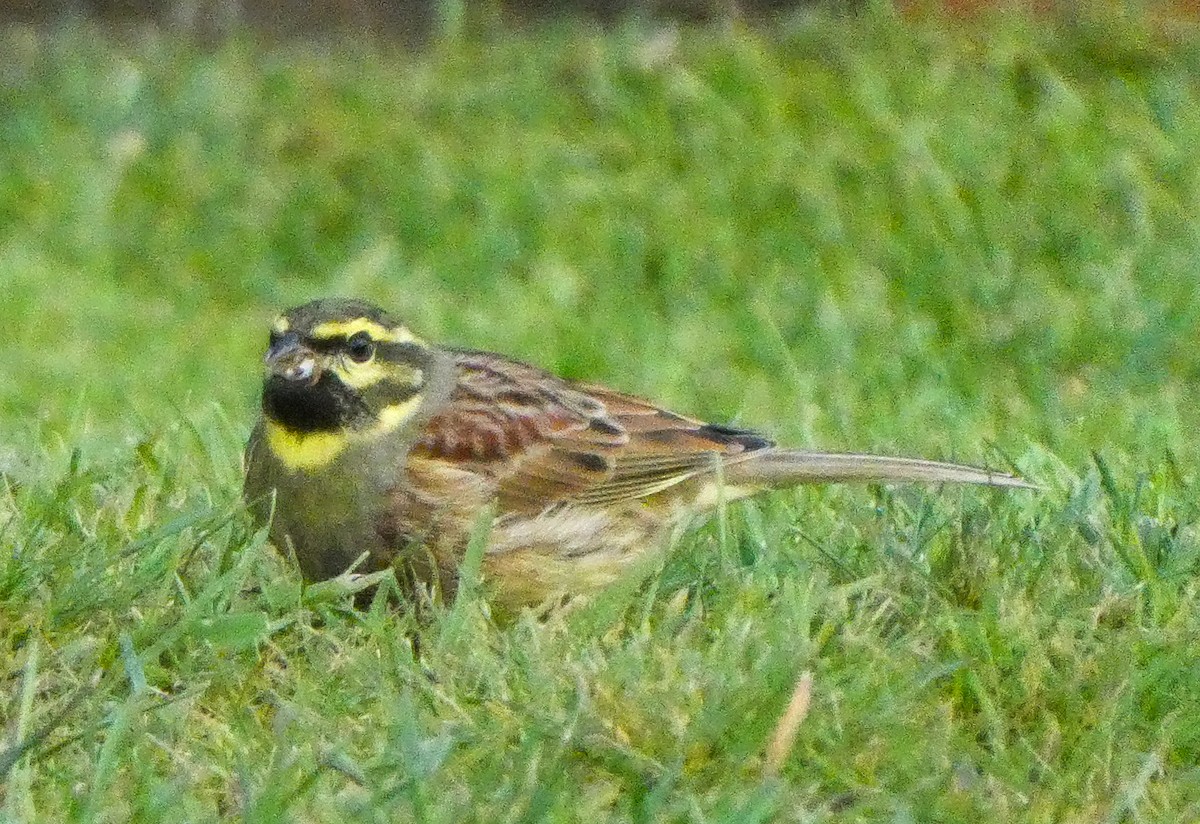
x=545 y=440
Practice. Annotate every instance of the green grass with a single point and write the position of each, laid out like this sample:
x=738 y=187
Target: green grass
x=866 y=233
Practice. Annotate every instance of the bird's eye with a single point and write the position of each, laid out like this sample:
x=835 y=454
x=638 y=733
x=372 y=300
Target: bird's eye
x=360 y=347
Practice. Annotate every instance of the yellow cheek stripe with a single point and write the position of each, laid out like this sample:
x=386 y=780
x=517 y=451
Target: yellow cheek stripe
x=393 y=416
x=378 y=332
x=298 y=452
x=364 y=375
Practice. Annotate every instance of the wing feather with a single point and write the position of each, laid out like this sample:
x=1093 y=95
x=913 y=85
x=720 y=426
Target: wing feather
x=547 y=441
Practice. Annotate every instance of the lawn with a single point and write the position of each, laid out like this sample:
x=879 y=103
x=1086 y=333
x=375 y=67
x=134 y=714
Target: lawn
x=966 y=240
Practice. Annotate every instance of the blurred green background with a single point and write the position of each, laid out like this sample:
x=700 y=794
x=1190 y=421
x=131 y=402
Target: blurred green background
x=865 y=232
x=956 y=237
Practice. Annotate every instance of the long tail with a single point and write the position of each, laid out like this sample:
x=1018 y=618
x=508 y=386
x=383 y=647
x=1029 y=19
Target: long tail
x=784 y=467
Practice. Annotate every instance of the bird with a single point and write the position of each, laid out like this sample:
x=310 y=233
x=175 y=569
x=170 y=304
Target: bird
x=376 y=449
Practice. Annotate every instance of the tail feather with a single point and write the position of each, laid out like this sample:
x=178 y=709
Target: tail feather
x=784 y=467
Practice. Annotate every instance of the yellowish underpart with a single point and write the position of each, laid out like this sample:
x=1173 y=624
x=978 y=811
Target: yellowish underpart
x=522 y=579
x=306 y=452
x=377 y=331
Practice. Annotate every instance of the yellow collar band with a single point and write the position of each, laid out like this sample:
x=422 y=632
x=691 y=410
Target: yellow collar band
x=300 y=452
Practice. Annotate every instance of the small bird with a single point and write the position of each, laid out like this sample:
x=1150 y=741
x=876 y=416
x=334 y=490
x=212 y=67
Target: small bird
x=374 y=443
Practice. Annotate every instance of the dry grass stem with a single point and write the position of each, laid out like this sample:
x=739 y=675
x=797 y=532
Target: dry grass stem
x=789 y=724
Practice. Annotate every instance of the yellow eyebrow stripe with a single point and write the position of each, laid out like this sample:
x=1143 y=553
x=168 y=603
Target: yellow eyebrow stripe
x=298 y=452
x=377 y=331
x=281 y=325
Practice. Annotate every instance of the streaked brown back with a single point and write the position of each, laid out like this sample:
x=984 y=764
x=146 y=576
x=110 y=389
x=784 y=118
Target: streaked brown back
x=546 y=440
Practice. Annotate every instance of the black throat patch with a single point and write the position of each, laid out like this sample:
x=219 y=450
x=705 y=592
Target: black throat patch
x=327 y=405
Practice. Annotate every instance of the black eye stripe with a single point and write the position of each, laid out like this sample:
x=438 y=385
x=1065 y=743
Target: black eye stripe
x=325 y=345
x=409 y=353
x=339 y=344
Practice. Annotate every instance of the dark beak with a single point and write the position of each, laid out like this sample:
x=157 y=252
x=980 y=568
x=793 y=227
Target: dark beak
x=287 y=358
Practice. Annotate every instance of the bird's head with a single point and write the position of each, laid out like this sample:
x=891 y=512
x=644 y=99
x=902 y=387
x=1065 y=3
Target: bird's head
x=336 y=371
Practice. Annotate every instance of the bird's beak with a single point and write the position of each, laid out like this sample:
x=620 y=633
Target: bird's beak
x=289 y=359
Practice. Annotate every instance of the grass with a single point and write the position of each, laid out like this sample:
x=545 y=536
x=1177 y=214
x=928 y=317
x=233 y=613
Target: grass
x=860 y=233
